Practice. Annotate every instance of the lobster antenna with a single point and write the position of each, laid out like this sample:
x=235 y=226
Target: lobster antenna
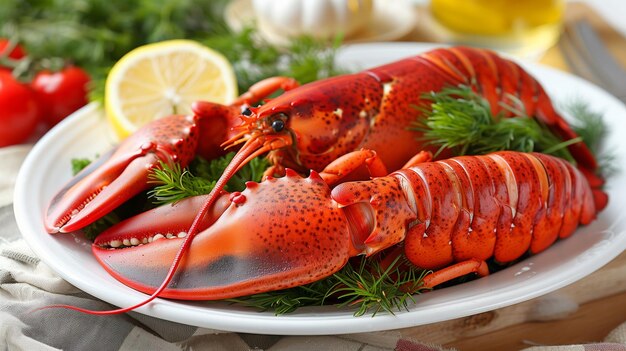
x=253 y=146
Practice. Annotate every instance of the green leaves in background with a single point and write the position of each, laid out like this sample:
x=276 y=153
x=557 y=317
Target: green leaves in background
x=94 y=34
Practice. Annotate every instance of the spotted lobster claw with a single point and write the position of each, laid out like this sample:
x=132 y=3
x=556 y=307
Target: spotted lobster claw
x=276 y=234
x=122 y=173
x=279 y=233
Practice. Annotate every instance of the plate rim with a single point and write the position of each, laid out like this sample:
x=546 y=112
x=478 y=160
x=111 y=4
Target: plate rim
x=333 y=321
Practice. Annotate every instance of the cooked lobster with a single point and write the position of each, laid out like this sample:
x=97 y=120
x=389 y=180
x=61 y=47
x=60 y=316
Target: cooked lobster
x=451 y=214
x=332 y=127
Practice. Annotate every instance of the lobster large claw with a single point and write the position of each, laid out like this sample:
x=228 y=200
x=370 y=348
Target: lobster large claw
x=273 y=235
x=122 y=173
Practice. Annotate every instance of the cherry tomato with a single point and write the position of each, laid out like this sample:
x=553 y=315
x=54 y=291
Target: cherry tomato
x=17 y=52
x=60 y=93
x=18 y=110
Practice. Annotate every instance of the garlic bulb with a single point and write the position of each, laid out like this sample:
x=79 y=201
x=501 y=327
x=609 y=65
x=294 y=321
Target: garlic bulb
x=318 y=18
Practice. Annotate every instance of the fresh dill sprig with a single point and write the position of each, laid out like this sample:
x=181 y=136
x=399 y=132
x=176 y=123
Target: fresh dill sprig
x=78 y=164
x=174 y=183
x=461 y=120
x=587 y=123
x=288 y=300
x=364 y=285
x=372 y=288
x=592 y=128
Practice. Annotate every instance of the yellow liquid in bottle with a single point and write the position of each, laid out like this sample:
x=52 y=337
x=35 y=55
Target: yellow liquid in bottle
x=517 y=26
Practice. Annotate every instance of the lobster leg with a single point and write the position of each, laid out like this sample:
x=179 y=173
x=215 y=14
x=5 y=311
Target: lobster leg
x=345 y=165
x=265 y=88
x=421 y=157
x=455 y=271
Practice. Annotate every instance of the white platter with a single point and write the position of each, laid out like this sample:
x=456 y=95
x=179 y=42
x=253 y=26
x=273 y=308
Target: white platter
x=84 y=134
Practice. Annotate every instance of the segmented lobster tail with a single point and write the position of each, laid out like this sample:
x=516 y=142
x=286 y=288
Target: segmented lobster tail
x=500 y=81
x=503 y=205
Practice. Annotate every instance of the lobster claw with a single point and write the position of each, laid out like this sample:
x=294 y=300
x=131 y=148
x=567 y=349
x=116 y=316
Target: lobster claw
x=273 y=235
x=122 y=173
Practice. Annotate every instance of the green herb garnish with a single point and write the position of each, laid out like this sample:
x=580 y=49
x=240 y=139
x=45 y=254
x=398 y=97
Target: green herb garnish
x=95 y=34
x=461 y=120
x=174 y=184
x=101 y=224
x=371 y=288
x=78 y=164
x=363 y=284
x=590 y=126
x=587 y=123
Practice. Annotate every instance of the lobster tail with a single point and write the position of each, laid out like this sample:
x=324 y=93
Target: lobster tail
x=503 y=204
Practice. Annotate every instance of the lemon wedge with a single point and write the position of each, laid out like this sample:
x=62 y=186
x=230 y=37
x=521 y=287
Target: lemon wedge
x=165 y=78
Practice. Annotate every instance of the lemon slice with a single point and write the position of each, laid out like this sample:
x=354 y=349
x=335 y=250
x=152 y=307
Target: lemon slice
x=165 y=78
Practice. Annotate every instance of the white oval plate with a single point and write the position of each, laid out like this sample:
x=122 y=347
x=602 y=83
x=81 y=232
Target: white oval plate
x=85 y=134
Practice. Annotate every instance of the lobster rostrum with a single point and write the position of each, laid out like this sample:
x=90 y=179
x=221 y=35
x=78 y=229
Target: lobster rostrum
x=332 y=127
x=451 y=215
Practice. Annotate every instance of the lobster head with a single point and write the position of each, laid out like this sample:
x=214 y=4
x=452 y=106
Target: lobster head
x=325 y=119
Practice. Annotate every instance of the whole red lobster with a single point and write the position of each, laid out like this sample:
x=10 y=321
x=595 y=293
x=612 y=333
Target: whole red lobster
x=451 y=214
x=332 y=126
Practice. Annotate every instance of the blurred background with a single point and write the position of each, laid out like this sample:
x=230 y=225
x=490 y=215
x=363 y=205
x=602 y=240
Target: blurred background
x=58 y=52
x=55 y=56
x=75 y=42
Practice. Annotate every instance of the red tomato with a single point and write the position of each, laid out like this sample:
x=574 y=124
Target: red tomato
x=60 y=93
x=18 y=110
x=17 y=52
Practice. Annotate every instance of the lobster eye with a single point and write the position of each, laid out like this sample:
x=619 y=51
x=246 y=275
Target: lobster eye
x=278 y=125
x=246 y=112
